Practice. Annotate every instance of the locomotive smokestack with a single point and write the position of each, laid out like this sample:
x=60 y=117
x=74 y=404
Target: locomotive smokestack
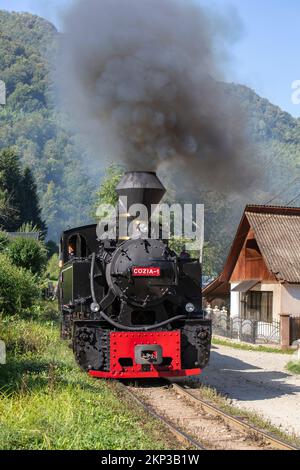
x=141 y=187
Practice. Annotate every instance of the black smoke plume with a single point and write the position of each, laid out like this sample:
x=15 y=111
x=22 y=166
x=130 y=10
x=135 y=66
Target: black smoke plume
x=143 y=79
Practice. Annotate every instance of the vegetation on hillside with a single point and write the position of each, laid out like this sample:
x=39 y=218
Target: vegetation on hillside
x=31 y=124
x=66 y=178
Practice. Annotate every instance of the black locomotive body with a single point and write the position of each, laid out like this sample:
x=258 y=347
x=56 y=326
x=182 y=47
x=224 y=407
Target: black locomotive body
x=132 y=308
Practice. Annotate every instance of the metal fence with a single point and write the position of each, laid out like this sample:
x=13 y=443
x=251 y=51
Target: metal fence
x=251 y=331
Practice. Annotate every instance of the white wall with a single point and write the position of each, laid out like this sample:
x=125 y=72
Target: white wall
x=290 y=299
x=235 y=304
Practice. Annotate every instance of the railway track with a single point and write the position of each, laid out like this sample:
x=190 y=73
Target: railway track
x=198 y=424
x=189 y=442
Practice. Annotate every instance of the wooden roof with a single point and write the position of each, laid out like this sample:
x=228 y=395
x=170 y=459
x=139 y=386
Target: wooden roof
x=277 y=232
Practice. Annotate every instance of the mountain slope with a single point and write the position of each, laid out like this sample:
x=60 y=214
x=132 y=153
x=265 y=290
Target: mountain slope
x=66 y=181
x=31 y=123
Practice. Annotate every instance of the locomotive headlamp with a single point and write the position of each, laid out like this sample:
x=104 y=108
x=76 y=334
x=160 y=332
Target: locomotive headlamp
x=190 y=307
x=95 y=307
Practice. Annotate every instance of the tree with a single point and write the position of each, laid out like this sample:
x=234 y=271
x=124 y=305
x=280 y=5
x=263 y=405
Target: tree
x=28 y=253
x=11 y=180
x=107 y=193
x=30 y=209
x=6 y=210
x=18 y=194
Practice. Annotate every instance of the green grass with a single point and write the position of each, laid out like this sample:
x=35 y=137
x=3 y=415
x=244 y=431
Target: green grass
x=46 y=402
x=293 y=367
x=246 y=347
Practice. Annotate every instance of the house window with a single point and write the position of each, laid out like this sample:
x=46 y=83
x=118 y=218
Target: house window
x=257 y=305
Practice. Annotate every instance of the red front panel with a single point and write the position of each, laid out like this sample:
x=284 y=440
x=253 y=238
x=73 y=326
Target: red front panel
x=122 y=347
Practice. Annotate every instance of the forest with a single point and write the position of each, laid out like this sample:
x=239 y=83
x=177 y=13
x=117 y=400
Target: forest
x=56 y=164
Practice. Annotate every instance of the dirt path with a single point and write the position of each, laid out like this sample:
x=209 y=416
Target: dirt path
x=258 y=382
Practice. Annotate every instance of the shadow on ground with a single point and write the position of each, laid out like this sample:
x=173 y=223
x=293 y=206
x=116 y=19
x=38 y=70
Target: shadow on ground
x=243 y=381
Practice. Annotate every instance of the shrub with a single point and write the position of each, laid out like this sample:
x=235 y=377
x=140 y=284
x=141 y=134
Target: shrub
x=4 y=241
x=53 y=267
x=294 y=367
x=18 y=287
x=28 y=253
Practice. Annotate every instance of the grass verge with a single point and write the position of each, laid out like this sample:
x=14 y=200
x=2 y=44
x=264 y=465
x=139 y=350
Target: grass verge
x=293 y=367
x=246 y=347
x=47 y=403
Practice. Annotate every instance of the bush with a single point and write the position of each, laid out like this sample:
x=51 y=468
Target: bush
x=293 y=367
x=4 y=241
x=53 y=267
x=18 y=287
x=28 y=253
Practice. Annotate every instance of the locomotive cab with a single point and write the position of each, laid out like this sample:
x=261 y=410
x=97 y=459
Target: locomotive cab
x=132 y=307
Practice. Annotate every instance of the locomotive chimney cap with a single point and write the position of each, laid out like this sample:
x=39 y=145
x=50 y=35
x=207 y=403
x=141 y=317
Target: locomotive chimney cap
x=143 y=187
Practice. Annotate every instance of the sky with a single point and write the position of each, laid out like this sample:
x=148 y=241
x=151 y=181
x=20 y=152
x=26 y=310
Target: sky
x=264 y=57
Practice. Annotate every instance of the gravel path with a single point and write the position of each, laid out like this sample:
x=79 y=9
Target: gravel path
x=258 y=382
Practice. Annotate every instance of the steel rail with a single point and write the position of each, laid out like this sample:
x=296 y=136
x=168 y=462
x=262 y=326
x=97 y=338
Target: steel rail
x=181 y=436
x=234 y=421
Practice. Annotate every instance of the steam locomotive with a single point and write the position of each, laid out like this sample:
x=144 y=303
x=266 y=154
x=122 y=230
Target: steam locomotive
x=132 y=307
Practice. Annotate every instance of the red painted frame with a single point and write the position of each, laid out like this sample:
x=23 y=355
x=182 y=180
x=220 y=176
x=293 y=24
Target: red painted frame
x=122 y=345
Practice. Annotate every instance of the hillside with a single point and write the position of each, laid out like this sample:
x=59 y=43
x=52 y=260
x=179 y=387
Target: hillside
x=58 y=158
x=31 y=123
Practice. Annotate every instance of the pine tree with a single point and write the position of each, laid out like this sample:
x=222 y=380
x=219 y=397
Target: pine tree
x=18 y=194
x=10 y=189
x=30 y=209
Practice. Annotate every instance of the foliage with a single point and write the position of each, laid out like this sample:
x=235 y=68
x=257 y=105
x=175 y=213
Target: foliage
x=53 y=267
x=61 y=164
x=294 y=367
x=4 y=241
x=28 y=253
x=58 y=406
x=19 y=190
x=37 y=131
x=18 y=288
x=107 y=192
x=210 y=260
x=179 y=244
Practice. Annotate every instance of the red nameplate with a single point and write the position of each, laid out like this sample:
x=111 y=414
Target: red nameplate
x=140 y=271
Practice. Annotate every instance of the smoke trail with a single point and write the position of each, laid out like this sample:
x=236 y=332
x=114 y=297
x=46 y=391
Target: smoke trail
x=142 y=79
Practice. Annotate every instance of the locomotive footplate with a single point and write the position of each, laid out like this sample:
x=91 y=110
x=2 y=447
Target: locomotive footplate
x=145 y=354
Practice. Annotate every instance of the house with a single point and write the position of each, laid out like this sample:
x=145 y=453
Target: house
x=261 y=276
